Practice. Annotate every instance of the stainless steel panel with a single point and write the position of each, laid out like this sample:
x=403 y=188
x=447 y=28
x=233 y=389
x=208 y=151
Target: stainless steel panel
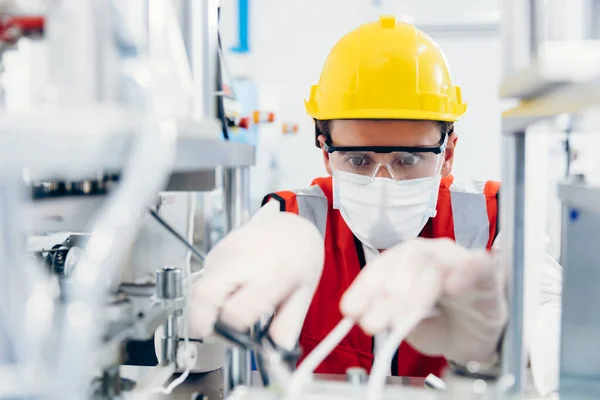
x=580 y=353
x=203 y=181
x=512 y=203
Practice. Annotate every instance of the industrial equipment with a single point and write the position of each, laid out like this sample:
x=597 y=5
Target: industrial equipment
x=124 y=107
x=549 y=78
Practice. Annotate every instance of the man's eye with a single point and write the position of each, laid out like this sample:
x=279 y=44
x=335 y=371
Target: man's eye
x=358 y=161
x=409 y=159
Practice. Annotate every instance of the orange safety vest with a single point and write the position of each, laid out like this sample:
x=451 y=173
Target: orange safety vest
x=466 y=213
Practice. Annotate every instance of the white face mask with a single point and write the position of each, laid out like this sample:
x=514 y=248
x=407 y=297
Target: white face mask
x=385 y=213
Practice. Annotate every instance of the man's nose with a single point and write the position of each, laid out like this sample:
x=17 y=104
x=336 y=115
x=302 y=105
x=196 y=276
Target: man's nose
x=383 y=172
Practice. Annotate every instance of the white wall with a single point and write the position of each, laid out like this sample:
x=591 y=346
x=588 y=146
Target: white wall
x=290 y=40
x=476 y=66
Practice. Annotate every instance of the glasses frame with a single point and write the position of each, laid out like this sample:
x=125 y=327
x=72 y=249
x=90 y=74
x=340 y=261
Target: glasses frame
x=438 y=149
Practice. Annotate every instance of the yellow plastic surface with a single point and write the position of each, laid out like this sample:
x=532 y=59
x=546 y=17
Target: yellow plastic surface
x=386 y=70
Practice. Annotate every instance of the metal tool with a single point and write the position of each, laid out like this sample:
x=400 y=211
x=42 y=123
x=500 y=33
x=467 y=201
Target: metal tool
x=262 y=344
x=169 y=286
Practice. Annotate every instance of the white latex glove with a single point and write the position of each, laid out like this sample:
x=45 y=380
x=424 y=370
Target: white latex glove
x=273 y=263
x=466 y=286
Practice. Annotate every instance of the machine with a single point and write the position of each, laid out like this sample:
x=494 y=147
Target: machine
x=111 y=135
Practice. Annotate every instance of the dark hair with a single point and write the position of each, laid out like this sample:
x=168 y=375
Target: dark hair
x=323 y=127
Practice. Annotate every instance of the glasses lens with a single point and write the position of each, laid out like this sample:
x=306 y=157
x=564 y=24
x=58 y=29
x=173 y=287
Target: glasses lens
x=407 y=165
x=403 y=165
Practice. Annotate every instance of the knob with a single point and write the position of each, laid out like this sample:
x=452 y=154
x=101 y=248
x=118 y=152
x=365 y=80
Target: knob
x=169 y=283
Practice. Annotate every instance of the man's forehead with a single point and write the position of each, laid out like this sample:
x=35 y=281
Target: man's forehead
x=385 y=133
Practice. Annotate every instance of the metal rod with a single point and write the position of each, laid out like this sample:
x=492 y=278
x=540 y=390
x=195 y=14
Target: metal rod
x=592 y=27
x=169 y=341
x=513 y=212
x=201 y=40
x=535 y=34
x=198 y=255
x=517 y=33
x=169 y=287
x=236 y=205
x=236 y=197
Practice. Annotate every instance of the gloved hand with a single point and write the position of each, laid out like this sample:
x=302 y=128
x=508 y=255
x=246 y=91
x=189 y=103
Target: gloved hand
x=272 y=264
x=466 y=289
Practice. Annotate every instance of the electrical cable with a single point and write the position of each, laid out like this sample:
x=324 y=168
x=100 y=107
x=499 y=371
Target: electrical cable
x=316 y=357
x=262 y=369
x=261 y=329
x=384 y=357
x=169 y=389
x=241 y=339
x=196 y=253
x=270 y=357
x=231 y=96
x=260 y=360
x=221 y=115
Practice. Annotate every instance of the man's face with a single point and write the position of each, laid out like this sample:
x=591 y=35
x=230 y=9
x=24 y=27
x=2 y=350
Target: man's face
x=389 y=133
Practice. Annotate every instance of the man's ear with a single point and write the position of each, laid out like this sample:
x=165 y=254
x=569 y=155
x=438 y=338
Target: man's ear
x=321 y=140
x=449 y=154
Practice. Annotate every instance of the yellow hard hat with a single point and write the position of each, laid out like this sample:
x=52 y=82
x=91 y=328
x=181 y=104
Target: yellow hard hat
x=386 y=70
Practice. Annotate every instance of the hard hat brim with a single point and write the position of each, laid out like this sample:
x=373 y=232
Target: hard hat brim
x=388 y=114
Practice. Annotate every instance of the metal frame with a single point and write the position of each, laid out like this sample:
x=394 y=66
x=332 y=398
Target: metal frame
x=100 y=139
x=89 y=128
x=200 y=28
x=553 y=78
x=515 y=123
x=236 y=191
x=462 y=28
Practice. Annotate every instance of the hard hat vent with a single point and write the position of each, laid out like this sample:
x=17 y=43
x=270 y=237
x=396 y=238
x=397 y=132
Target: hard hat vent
x=387 y=21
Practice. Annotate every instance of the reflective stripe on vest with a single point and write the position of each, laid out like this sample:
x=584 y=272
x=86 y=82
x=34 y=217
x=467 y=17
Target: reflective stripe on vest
x=312 y=205
x=470 y=214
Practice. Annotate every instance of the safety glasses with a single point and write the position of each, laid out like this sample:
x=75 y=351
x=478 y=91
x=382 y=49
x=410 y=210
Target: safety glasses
x=361 y=164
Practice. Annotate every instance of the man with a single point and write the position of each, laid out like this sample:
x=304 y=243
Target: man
x=400 y=234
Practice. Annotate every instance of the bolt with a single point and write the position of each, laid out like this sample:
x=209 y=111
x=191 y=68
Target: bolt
x=356 y=375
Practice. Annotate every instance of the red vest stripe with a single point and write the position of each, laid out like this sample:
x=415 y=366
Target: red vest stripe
x=491 y=194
